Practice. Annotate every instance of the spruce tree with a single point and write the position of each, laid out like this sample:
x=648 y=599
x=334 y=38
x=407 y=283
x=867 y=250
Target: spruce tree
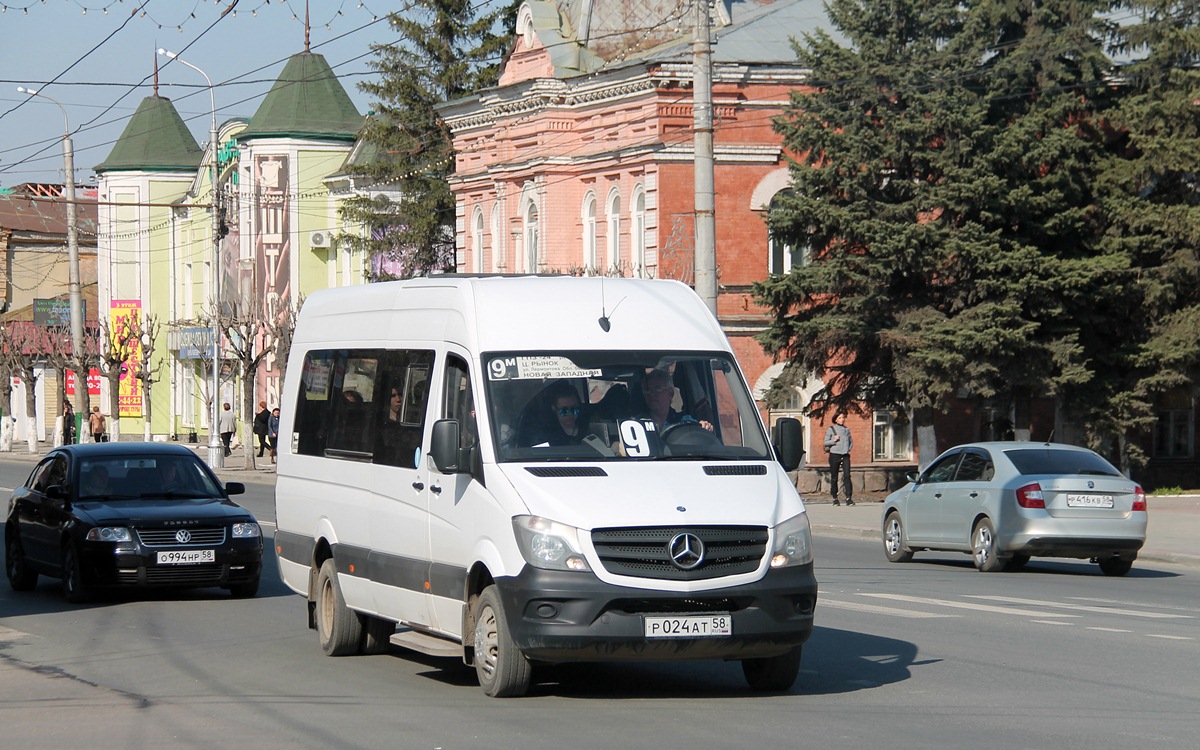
x=446 y=49
x=943 y=181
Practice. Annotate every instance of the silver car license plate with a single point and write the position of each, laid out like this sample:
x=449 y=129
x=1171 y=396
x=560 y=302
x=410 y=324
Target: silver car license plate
x=1089 y=501
x=718 y=625
x=187 y=557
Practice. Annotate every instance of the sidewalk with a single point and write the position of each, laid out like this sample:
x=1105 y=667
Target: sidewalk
x=1172 y=533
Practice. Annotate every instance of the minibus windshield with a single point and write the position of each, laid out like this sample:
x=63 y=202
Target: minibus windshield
x=612 y=405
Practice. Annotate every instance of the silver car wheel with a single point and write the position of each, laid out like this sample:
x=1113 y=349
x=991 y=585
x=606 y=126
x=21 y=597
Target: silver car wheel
x=893 y=539
x=986 y=555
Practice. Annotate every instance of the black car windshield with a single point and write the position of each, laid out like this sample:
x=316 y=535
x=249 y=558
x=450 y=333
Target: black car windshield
x=1058 y=461
x=156 y=476
x=621 y=405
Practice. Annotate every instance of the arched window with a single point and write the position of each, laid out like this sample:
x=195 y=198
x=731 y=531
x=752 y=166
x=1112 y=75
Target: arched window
x=637 y=235
x=614 y=231
x=532 y=238
x=782 y=257
x=589 y=234
x=477 y=241
x=497 y=239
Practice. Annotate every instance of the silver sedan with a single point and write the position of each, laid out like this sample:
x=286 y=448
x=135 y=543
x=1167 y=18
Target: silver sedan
x=1006 y=502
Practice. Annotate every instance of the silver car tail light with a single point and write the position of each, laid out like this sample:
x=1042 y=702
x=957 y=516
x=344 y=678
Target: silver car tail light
x=1030 y=496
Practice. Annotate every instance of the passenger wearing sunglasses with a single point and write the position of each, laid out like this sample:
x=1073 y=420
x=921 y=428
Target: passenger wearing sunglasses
x=568 y=425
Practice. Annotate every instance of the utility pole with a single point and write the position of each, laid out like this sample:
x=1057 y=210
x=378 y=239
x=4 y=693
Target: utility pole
x=216 y=450
x=702 y=115
x=73 y=288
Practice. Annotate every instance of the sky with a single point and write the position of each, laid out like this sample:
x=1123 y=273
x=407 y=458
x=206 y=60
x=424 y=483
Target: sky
x=100 y=65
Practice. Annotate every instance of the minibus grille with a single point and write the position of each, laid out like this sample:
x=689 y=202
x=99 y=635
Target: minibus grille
x=647 y=551
x=736 y=470
x=547 y=472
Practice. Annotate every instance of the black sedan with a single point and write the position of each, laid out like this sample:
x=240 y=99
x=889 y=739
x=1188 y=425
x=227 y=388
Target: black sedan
x=112 y=515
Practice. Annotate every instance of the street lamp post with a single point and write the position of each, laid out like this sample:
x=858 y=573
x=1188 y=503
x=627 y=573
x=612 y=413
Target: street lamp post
x=76 y=298
x=216 y=452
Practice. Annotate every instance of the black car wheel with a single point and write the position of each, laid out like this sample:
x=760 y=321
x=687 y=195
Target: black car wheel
x=245 y=590
x=20 y=577
x=74 y=588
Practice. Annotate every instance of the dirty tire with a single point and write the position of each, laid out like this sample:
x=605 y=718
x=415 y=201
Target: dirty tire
x=16 y=567
x=983 y=548
x=773 y=674
x=893 y=539
x=339 y=630
x=377 y=634
x=503 y=670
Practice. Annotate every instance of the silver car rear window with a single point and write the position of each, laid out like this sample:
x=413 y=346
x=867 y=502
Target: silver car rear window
x=1053 y=461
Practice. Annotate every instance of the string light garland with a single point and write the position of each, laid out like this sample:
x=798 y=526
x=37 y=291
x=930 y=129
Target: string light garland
x=163 y=21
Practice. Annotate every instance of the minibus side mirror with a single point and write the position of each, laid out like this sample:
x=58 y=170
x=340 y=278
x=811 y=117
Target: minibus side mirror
x=788 y=436
x=444 y=450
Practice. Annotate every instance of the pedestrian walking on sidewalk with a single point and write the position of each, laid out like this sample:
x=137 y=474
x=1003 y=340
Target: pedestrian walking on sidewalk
x=838 y=443
x=261 y=428
x=97 y=426
x=227 y=425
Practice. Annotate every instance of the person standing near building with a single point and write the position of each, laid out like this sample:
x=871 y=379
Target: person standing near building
x=273 y=431
x=97 y=426
x=839 y=442
x=68 y=423
x=227 y=426
x=261 y=428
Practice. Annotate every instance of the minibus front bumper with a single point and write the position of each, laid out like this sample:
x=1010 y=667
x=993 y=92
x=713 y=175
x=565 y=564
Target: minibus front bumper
x=558 y=616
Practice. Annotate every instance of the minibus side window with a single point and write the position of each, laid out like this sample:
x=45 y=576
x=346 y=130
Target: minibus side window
x=312 y=403
x=460 y=403
x=404 y=399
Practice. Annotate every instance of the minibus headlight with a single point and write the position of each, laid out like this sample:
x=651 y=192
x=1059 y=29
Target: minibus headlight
x=548 y=544
x=793 y=543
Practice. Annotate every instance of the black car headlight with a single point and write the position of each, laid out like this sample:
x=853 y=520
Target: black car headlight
x=109 y=534
x=245 y=530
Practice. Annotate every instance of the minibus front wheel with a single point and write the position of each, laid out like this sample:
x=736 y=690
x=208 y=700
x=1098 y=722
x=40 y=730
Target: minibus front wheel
x=503 y=670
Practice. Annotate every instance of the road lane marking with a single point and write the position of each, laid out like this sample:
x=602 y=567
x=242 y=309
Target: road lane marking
x=1109 y=630
x=878 y=610
x=1053 y=622
x=965 y=605
x=1170 y=637
x=1082 y=607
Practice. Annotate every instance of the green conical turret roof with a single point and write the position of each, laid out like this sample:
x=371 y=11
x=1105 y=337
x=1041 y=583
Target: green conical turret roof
x=154 y=140
x=307 y=101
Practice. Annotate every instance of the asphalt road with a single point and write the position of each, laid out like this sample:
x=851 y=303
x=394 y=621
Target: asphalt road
x=930 y=654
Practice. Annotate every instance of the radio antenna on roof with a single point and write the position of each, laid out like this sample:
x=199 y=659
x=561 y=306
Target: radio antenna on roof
x=605 y=323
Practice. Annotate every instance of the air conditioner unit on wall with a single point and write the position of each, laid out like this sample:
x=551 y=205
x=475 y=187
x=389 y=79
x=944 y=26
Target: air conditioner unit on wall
x=318 y=239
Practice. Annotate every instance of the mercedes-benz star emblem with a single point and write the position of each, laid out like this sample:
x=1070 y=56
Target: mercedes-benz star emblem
x=686 y=550
x=183 y=536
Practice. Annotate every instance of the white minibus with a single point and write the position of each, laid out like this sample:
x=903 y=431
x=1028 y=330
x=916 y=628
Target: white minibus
x=527 y=470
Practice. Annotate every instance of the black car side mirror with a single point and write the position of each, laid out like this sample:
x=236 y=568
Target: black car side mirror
x=235 y=488
x=57 y=492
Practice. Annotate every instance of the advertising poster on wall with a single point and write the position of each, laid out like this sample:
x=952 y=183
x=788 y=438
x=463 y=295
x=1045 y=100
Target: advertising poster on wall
x=121 y=314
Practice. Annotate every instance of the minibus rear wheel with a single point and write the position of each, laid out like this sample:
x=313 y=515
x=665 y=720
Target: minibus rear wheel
x=503 y=670
x=339 y=629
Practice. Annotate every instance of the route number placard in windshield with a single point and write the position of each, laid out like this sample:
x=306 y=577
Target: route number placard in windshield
x=536 y=368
